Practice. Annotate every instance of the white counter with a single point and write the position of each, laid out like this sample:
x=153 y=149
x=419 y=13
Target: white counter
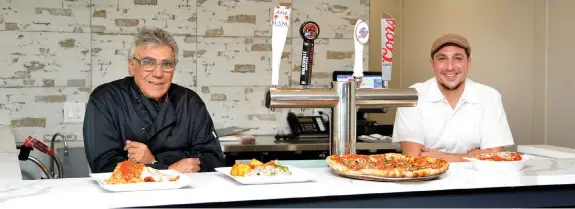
x=215 y=187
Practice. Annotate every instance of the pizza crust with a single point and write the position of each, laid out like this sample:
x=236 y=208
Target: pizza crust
x=340 y=168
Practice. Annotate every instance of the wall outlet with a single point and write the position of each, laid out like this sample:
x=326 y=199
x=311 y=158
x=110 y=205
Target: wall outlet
x=74 y=112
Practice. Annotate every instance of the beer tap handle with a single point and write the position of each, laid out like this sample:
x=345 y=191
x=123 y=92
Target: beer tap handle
x=309 y=31
x=280 y=26
x=361 y=34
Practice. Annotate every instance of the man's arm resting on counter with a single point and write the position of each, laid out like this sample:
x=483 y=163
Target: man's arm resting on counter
x=411 y=148
x=415 y=149
x=204 y=143
x=101 y=141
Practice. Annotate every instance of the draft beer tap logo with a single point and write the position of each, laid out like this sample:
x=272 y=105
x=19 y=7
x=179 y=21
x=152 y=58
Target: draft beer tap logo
x=387 y=41
x=310 y=30
x=362 y=31
x=281 y=16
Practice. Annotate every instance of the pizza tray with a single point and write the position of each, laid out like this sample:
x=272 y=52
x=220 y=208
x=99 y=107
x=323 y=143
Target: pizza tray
x=384 y=179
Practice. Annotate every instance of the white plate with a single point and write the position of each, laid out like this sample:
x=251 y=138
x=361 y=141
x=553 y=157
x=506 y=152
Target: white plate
x=181 y=182
x=484 y=165
x=298 y=175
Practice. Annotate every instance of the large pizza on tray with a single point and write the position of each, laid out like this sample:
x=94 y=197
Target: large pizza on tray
x=390 y=165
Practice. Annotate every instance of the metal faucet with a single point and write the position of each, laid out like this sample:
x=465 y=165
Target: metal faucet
x=55 y=159
x=24 y=155
x=42 y=167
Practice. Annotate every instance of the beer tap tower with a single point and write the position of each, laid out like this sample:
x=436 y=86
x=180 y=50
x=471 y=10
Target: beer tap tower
x=345 y=96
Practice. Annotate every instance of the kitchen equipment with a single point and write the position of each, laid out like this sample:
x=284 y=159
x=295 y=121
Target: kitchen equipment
x=55 y=160
x=32 y=143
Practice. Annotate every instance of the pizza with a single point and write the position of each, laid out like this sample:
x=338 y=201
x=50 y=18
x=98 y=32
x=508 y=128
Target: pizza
x=389 y=165
x=500 y=156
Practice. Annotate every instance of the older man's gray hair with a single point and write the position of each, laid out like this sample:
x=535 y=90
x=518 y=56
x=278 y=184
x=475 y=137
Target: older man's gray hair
x=153 y=37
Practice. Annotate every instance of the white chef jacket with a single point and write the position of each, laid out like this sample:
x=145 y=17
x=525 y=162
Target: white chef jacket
x=478 y=120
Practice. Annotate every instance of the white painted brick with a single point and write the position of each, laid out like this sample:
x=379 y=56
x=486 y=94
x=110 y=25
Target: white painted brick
x=22 y=104
x=214 y=15
x=244 y=107
x=220 y=55
x=40 y=56
x=109 y=57
x=185 y=72
x=172 y=15
x=33 y=15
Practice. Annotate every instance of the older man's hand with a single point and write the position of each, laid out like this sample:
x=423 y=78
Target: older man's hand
x=139 y=152
x=186 y=165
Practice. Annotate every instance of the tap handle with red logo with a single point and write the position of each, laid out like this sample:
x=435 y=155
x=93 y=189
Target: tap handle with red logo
x=309 y=31
x=39 y=145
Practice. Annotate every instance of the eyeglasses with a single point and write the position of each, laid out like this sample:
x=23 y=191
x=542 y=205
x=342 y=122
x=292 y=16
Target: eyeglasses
x=150 y=64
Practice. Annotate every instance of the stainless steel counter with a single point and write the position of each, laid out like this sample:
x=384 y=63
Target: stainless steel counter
x=268 y=143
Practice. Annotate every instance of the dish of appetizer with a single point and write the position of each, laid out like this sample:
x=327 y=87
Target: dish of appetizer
x=133 y=176
x=272 y=172
x=499 y=161
x=257 y=168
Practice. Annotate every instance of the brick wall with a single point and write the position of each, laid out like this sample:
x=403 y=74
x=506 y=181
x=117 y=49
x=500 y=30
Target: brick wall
x=56 y=51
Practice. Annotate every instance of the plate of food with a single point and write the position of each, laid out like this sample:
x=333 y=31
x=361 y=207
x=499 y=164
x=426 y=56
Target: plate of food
x=387 y=167
x=133 y=176
x=272 y=172
x=499 y=161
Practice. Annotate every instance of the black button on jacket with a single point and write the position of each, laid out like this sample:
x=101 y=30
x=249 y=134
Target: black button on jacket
x=179 y=128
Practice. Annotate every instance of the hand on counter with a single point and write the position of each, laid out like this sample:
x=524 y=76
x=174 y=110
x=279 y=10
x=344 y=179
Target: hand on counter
x=428 y=152
x=187 y=165
x=139 y=152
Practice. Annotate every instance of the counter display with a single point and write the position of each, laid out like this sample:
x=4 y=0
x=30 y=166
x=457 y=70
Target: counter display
x=543 y=183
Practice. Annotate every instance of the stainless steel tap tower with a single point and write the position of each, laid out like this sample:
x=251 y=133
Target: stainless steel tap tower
x=344 y=99
x=345 y=96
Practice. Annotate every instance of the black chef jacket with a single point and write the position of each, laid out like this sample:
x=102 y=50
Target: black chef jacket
x=178 y=128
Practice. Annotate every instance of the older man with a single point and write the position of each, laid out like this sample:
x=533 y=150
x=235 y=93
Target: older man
x=146 y=118
x=455 y=117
